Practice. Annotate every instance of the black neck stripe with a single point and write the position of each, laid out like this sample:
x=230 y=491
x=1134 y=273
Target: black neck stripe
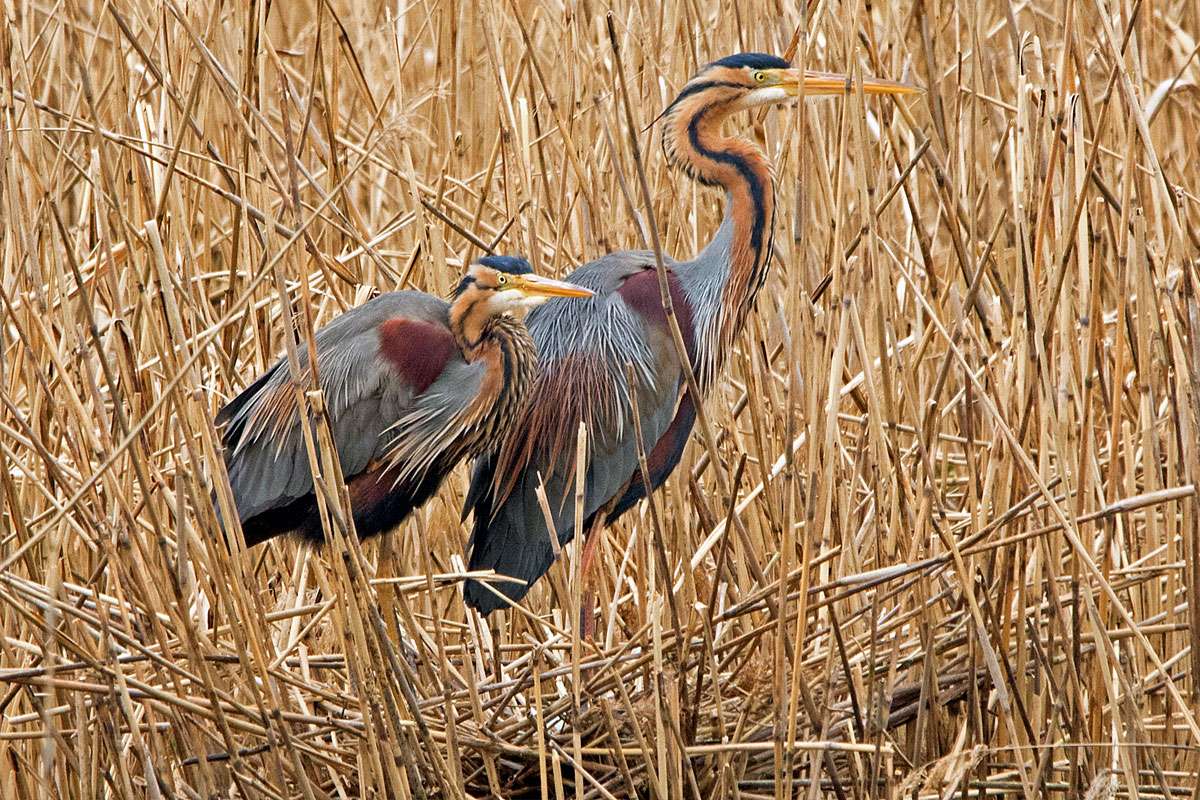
x=745 y=170
x=703 y=86
x=466 y=281
x=464 y=319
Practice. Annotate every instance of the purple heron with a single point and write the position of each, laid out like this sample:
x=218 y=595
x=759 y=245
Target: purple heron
x=585 y=346
x=413 y=385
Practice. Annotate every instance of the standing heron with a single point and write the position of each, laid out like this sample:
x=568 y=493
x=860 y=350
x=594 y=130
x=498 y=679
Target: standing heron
x=585 y=346
x=413 y=386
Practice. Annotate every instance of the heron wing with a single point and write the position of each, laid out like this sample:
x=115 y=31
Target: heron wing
x=378 y=364
x=585 y=349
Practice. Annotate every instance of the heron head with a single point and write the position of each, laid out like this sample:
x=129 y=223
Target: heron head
x=507 y=283
x=749 y=80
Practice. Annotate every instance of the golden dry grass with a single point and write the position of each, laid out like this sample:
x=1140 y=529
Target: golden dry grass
x=948 y=545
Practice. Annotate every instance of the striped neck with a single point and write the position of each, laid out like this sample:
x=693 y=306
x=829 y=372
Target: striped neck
x=694 y=142
x=472 y=322
x=510 y=356
x=501 y=342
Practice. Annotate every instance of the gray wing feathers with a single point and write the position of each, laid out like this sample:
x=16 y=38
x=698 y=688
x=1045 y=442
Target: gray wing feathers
x=435 y=415
x=609 y=333
x=266 y=456
x=605 y=334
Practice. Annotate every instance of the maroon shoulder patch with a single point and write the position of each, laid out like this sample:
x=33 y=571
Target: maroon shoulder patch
x=418 y=350
x=368 y=488
x=640 y=292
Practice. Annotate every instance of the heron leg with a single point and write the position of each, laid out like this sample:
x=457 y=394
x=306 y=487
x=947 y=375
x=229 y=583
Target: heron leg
x=587 y=601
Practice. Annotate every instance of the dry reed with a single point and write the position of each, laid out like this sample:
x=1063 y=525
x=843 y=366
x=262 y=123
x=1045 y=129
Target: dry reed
x=946 y=546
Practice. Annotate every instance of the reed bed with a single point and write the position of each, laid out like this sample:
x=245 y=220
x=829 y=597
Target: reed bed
x=942 y=541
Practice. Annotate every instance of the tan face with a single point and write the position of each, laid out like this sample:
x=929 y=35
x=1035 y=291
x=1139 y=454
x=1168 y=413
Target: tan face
x=508 y=291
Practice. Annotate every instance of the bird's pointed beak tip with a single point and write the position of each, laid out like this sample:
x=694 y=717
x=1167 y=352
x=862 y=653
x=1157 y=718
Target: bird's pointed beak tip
x=539 y=286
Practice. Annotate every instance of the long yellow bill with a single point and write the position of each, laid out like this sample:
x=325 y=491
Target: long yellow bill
x=548 y=287
x=833 y=83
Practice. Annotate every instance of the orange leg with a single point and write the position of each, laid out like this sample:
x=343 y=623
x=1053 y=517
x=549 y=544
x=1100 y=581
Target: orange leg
x=587 y=602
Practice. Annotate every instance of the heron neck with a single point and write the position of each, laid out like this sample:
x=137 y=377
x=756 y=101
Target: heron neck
x=503 y=346
x=509 y=357
x=740 y=251
x=472 y=324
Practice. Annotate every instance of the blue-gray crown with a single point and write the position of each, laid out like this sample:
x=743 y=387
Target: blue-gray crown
x=513 y=265
x=751 y=61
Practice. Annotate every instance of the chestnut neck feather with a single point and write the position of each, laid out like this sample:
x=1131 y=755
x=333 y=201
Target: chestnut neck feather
x=694 y=142
x=502 y=344
x=472 y=322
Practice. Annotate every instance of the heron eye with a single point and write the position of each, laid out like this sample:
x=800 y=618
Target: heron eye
x=760 y=76
x=503 y=280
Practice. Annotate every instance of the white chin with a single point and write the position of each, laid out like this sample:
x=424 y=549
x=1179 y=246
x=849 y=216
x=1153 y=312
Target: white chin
x=507 y=300
x=767 y=95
